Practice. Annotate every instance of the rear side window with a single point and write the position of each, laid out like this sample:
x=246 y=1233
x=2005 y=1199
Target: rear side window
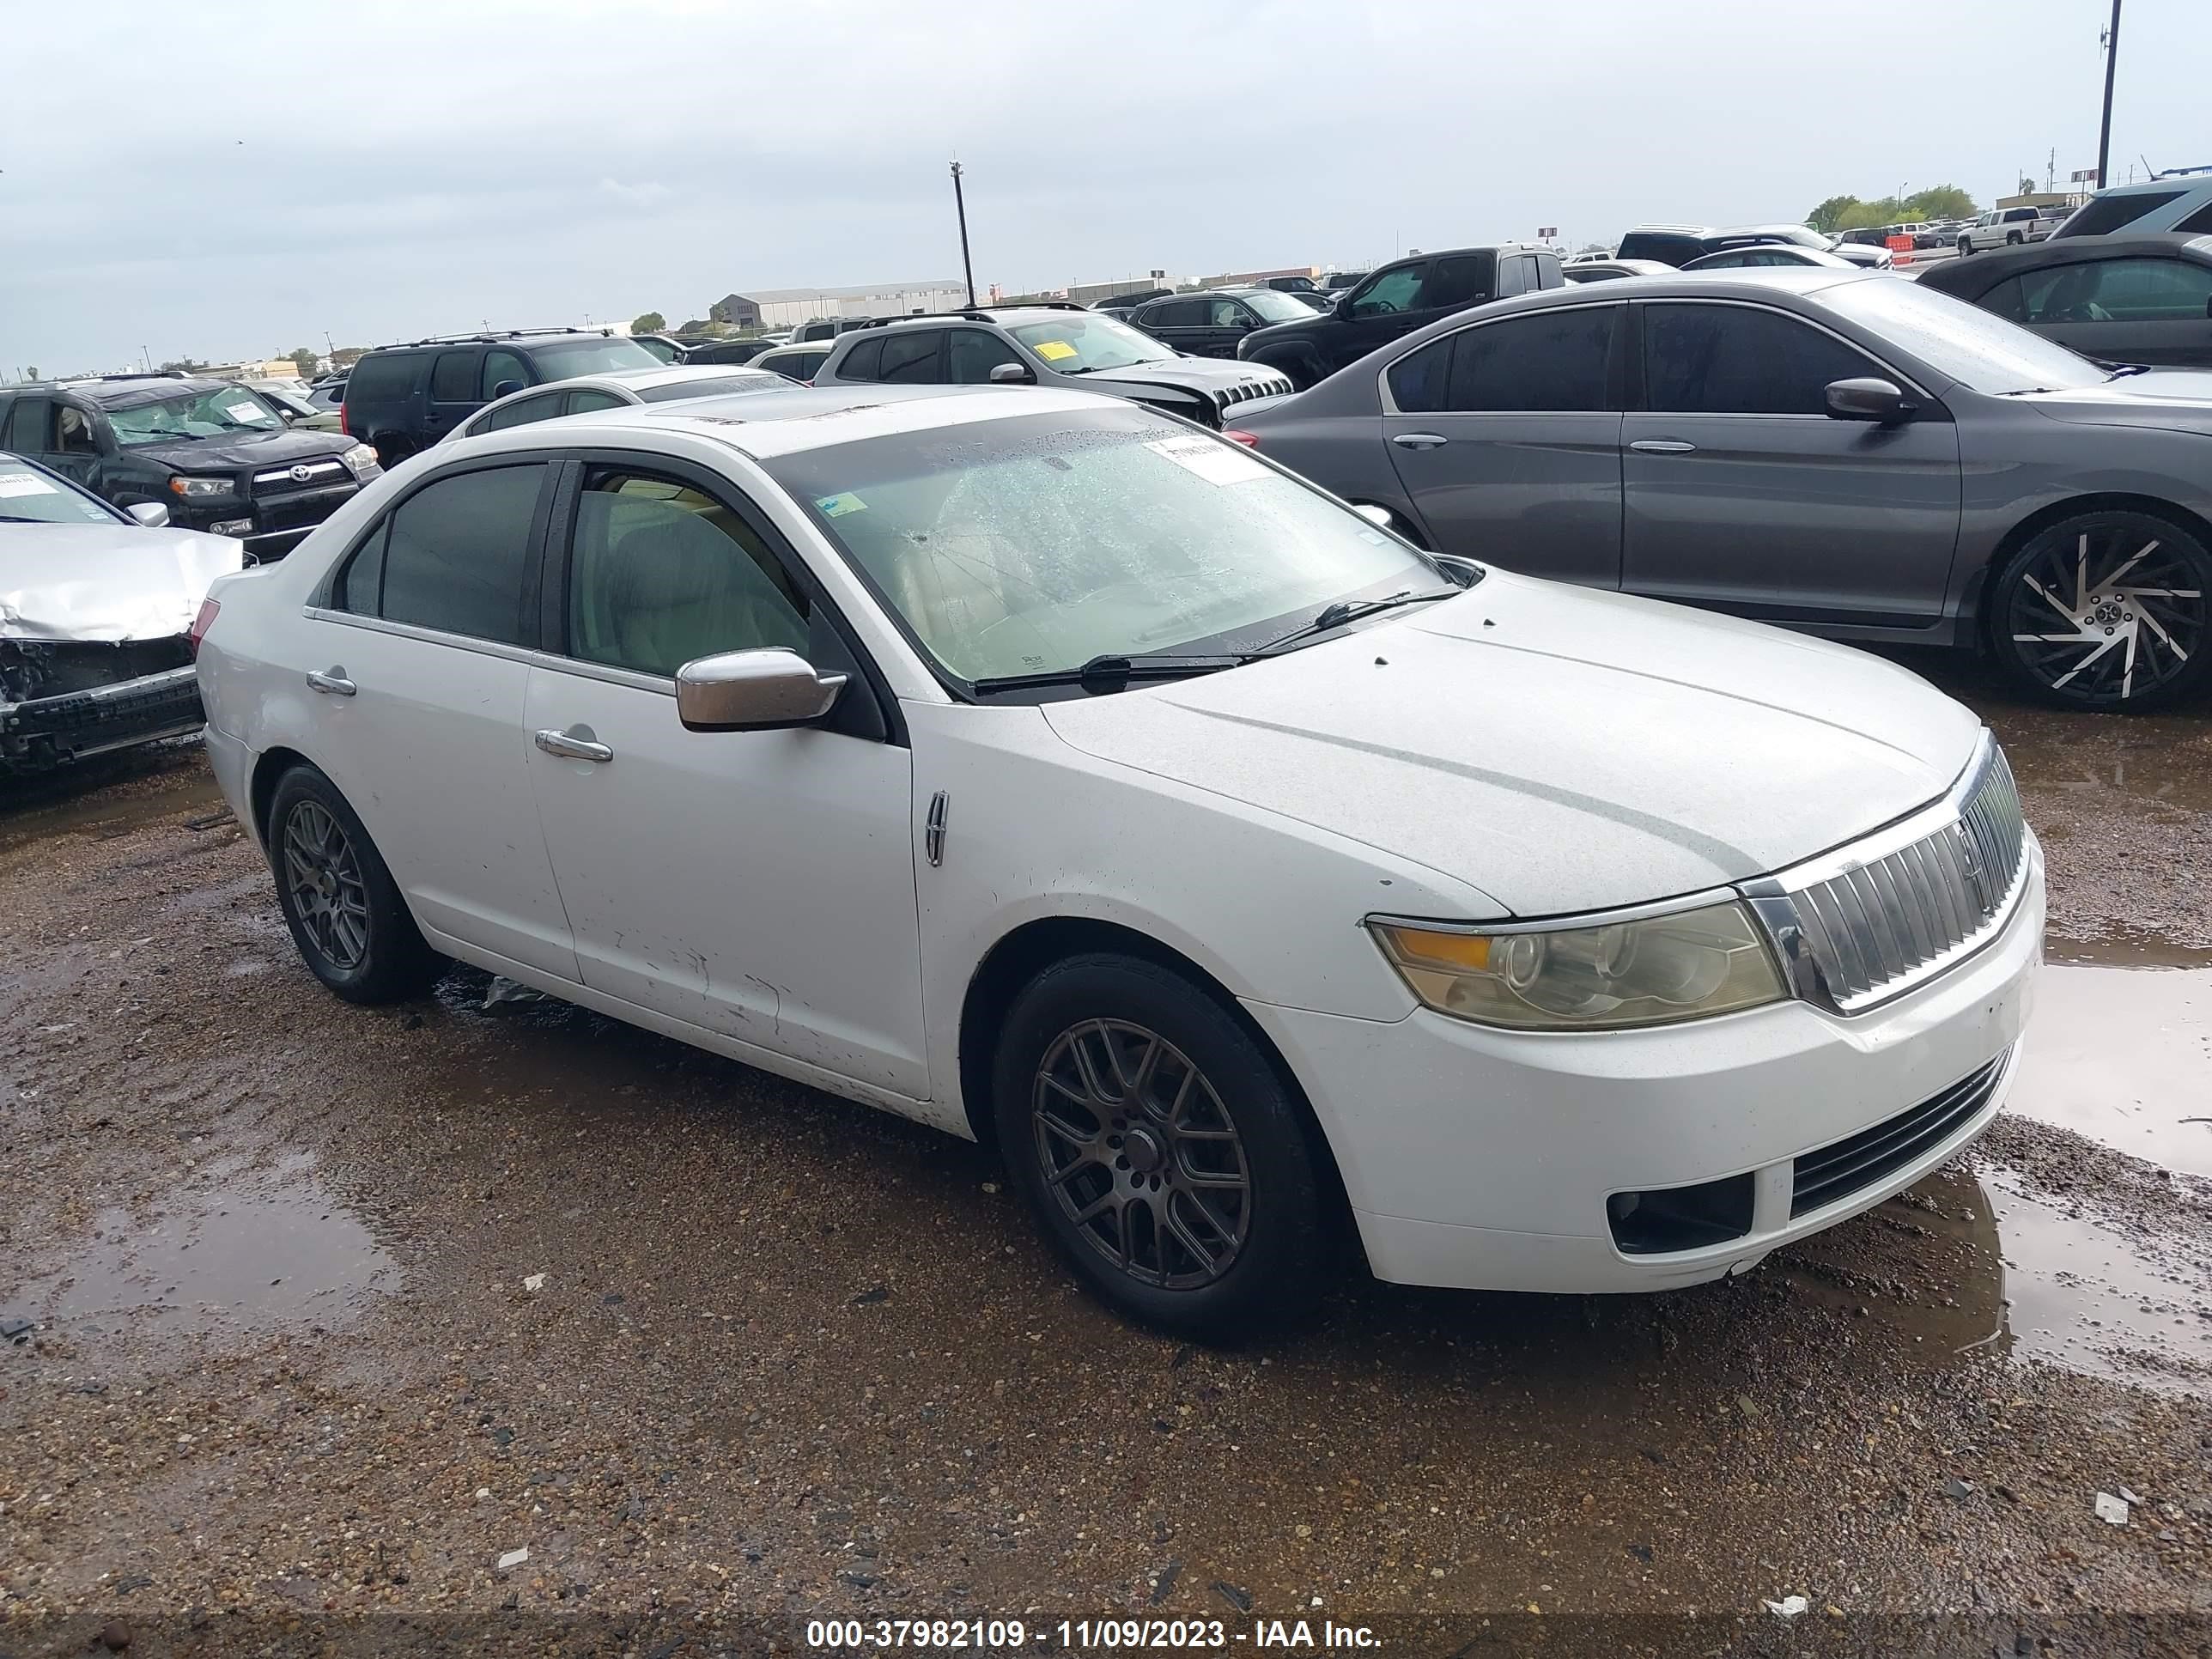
x=911 y=356
x=454 y=381
x=27 y=425
x=860 y=363
x=1668 y=248
x=2104 y=215
x=2198 y=222
x=1741 y=360
x=1455 y=283
x=1172 y=313
x=383 y=379
x=523 y=412
x=454 y=555
x=1554 y=361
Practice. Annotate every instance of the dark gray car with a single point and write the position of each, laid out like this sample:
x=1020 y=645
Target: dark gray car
x=1841 y=452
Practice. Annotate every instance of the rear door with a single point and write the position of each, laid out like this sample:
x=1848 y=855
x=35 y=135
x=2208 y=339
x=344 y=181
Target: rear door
x=455 y=377
x=1506 y=436
x=1178 y=322
x=1742 y=493
x=2146 y=308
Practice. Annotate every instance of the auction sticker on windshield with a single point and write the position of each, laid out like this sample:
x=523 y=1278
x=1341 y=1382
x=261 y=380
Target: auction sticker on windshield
x=1215 y=463
x=833 y=507
x=1053 y=350
x=244 y=411
x=24 y=483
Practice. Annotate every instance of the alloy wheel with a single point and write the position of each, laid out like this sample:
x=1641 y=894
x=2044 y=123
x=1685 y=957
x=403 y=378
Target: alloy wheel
x=2116 y=616
x=1141 y=1155
x=323 y=876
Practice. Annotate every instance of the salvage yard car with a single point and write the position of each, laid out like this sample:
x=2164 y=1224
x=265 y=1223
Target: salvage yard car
x=1036 y=765
x=96 y=607
x=1836 y=450
x=581 y=395
x=218 y=455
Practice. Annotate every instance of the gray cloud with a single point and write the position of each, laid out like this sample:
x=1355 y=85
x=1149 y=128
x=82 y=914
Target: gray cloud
x=232 y=178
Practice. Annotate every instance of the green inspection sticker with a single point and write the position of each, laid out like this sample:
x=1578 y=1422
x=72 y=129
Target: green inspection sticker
x=833 y=507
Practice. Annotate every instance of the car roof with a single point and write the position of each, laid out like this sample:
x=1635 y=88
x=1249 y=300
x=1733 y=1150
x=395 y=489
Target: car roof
x=512 y=338
x=2192 y=178
x=1985 y=271
x=805 y=418
x=128 y=391
x=637 y=379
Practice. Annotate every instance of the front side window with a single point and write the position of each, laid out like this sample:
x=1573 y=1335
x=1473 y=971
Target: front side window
x=2119 y=291
x=501 y=369
x=203 y=414
x=910 y=356
x=1741 y=360
x=1276 y=307
x=1081 y=342
x=1551 y=361
x=452 y=556
x=973 y=353
x=29 y=495
x=661 y=573
x=73 y=432
x=1033 y=544
x=1394 y=291
x=453 y=378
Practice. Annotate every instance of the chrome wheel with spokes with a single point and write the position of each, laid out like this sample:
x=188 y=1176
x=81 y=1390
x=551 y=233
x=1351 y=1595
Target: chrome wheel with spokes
x=1139 y=1153
x=323 y=874
x=2105 y=610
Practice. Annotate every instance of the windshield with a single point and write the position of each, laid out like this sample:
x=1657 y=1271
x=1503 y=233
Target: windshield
x=1032 y=546
x=206 y=414
x=1278 y=307
x=287 y=400
x=30 y=497
x=1081 y=341
x=564 y=359
x=1976 y=348
x=721 y=386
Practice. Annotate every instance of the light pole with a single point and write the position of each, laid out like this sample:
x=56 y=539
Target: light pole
x=960 y=205
x=2112 y=62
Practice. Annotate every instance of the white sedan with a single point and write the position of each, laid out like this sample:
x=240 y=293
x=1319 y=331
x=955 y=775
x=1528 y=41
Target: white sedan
x=1041 y=768
x=587 y=394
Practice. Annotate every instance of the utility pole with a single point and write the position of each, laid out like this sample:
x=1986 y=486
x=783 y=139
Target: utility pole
x=960 y=205
x=2112 y=62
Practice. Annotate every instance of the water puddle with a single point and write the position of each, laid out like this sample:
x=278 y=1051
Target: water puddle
x=102 y=801
x=2158 y=762
x=240 y=1252
x=1965 y=1263
x=2123 y=1055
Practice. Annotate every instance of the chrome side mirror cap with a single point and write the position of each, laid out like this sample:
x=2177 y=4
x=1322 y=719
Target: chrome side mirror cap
x=1012 y=374
x=753 y=691
x=1882 y=402
x=1379 y=516
x=155 y=515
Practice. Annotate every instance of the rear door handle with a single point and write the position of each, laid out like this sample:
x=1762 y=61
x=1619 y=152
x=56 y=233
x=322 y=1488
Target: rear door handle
x=570 y=746
x=1662 y=447
x=332 y=684
x=1421 y=441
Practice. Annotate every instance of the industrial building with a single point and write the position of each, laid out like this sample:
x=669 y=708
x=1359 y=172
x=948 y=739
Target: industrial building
x=787 y=308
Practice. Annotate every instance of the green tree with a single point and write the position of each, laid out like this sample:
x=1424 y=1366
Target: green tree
x=1941 y=202
x=347 y=357
x=183 y=365
x=304 y=359
x=650 y=322
x=1829 y=216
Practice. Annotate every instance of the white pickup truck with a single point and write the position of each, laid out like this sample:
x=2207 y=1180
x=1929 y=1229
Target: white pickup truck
x=2008 y=228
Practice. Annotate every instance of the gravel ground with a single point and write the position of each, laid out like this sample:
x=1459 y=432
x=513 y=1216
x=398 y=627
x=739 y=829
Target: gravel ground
x=325 y=1313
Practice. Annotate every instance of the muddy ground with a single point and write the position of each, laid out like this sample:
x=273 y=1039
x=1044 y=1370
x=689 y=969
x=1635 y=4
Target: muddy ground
x=317 y=1314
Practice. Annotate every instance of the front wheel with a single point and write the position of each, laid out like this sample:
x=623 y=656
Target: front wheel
x=352 y=927
x=2105 y=610
x=1158 y=1148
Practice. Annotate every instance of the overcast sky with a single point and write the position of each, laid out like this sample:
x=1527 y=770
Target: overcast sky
x=229 y=178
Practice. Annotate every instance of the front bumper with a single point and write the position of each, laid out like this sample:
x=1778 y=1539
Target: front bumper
x=1484 y=1159
x=46 y=731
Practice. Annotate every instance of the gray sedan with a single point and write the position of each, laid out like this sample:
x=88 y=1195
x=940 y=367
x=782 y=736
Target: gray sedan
x=1835 y=450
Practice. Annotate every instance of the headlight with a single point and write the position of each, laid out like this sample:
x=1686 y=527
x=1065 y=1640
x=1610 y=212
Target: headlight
x=360 y=457
x=193 y=489
x=1647 y=972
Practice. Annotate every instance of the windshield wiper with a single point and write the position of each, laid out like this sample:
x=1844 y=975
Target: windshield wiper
x=1345 y=611
x=1111 y=673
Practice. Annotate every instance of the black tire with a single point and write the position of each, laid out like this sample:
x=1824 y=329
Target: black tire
x=351 y=926
x=2014 y=239
x=2066 y=632
x=1268 y=1243
x=1966 y=246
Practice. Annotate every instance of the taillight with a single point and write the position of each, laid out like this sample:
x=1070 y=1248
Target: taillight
x=342 y=427
x=201 y=624
x=1236 y=435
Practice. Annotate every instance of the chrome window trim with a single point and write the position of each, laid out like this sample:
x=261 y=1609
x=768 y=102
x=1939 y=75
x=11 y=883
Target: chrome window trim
x=551 y=661
x=1382 y=375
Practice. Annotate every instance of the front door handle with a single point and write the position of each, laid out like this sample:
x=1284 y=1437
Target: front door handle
x=334 y=684
x=1419 y=441
x=576 y=743
x=1662 y=447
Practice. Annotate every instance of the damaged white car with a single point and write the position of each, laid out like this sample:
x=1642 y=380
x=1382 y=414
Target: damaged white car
x=97 y=607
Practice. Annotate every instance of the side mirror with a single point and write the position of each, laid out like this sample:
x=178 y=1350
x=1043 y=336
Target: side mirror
x=1013 y=374
x=155 y=515
x=1879 y=401
x=753 y=691
x=503 y=388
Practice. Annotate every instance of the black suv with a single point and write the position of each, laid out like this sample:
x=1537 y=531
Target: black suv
x=1396 y=299
x=1213 y=322
x=404 y=398
x=218 y=455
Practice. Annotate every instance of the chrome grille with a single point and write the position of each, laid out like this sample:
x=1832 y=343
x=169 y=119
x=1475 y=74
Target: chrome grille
x=1238 y=394
x=1868 y=923
x=281 y=477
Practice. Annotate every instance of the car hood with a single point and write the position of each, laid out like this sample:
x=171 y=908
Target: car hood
x=247 y=449
x=2173 y=398
x=1560 y=749
x=105 y=583
x=1214 y=376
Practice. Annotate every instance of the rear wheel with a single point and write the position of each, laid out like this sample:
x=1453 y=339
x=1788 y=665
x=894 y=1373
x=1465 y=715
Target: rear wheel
x=2105 y=610
x=1159 y=1149
x=346 y=917
x=2012 y=239
x=1966 y=246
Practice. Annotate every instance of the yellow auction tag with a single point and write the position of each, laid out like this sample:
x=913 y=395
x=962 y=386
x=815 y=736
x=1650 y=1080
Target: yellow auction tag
x=1053 y=350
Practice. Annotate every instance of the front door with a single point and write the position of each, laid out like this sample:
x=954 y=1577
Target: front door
x=757 y=884
x=1743 y=494
x=1396 y=302
x=415 y=676
x=1506 y=437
